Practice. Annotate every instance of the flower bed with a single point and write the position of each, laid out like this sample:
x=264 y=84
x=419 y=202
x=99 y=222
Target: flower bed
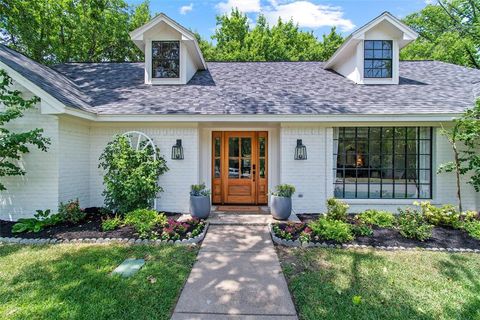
x=91 y=229
x=436 y=228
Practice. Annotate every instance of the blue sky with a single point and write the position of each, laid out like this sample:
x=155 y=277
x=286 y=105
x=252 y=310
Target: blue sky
x=316 y=15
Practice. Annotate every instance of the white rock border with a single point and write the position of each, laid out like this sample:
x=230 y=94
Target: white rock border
x=297 y=243
x=134 y=241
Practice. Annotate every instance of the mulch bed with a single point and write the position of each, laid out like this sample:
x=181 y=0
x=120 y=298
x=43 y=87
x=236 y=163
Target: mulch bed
x=442 y=237
x=91 y=227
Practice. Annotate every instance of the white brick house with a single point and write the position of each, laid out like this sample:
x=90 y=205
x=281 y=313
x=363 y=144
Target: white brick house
x=368 y=121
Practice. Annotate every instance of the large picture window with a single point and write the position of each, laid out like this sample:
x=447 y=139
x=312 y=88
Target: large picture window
x=383 y=163
x=165 y=59
x=378 y=59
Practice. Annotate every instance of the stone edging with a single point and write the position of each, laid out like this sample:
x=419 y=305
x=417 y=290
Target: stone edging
x=297 y=243
x=193 y=240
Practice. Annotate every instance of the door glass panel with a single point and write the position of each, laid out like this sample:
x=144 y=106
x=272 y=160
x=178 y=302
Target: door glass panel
x=217 y=168
x=233 y=166
x=262 y=146
x=246 y=147
x=217 y=147
x=262 y=168
x=233 y=147
x=246 y=168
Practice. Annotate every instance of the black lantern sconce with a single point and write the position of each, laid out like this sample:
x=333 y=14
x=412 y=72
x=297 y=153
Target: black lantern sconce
x=300 y=151
x=177 y=150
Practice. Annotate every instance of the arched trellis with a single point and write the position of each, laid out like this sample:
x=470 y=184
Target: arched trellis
x=139 y=141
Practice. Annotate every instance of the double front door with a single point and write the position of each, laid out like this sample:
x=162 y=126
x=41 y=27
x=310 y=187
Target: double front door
x=239 y=167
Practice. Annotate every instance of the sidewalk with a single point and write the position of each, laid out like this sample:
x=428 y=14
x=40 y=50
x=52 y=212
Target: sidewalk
x=237 y=276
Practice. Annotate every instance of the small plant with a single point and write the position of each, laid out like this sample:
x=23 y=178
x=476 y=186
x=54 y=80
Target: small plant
x=473 y=229
x=336 y=209
x=446 y=215
x=144 y=221
x=71 y=211
x=41 y=220
x=330 y=229
x=288 y=231
x=199 y=190
x=284 y=190
x=176 y=230
x=111 y=224
x=380 y=218
x=412 y=224
x=362 y=230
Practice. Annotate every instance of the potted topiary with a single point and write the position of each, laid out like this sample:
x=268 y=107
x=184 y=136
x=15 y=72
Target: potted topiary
x=199 y=201
x=281 y=201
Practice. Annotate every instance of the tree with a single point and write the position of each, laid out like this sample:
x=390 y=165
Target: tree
x=236 y=40
x=464 y=139
x=449 y=31
x=56 y=31
x=131 y=175
x=14 y=144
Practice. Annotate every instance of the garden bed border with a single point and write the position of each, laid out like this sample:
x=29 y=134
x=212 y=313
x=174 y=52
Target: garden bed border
x=39 y=241
x=297 y=243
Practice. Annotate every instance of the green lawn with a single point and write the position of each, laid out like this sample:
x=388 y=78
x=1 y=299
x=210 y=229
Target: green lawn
x=390 y=285
x=73 y=281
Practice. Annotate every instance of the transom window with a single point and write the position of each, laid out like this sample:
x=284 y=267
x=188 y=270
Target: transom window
x=387 y=163
x=378 y=59
x=165 y=59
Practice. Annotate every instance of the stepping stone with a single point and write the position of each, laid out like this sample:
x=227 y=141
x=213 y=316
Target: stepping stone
x=129 y=267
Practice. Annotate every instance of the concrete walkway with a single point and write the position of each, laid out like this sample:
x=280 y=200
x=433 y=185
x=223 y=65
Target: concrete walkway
x=237 y=276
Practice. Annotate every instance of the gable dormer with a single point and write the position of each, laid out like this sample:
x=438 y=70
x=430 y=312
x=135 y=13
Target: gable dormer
x=172 y=54
x=371 y=54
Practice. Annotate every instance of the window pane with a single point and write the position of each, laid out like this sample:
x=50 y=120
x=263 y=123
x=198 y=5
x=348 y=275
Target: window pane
x=338 y=191
x=246 y=169
x=375 y=190
x=165 y=59
x=233 y=149
x=387 y=191
x=400 y=191
x=362 y=191
x=217 y=168
x=262 y=168
x=246 y=147
x=261 y=141
x=350 y=191
x=217 y=147
x=233 y=165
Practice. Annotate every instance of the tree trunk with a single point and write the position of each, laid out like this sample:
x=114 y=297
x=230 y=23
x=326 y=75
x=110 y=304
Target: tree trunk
x=457 y=172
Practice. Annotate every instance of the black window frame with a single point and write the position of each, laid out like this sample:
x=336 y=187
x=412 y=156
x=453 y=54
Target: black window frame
x=160 y=59
x=341 y=164
x=373 y=59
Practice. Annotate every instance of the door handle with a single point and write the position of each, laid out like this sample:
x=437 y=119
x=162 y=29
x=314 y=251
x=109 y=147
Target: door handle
x=254 y=171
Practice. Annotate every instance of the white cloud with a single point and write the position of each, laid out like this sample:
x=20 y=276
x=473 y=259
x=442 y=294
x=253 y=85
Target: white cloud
x=308 y=14
x=242 y=5
x=186 y=9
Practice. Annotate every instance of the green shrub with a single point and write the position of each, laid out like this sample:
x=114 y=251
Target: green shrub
x=362 y=230
x=199 y=190
x=330 y=229
x=131 y=176
x=144 y=221
x=284 y=190
x=336 y=209
x=111 y=224
x=446 y=215
x=41 y=220
x=412 y=224
x=382 y=219
x=71 y=211
x=473 y=229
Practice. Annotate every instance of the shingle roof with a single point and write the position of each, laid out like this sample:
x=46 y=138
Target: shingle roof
x=285 y=88
x=56 y=84
x=275 y=88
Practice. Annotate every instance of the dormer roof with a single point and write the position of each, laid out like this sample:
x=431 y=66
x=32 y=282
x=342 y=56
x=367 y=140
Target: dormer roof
x=188 y=37
x=405 y=35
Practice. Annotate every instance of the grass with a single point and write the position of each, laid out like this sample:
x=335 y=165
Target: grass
x=343 y=284
x=73 y=281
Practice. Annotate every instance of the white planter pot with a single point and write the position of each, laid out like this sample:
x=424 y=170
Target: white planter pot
x=200 y=207
x=281 y=207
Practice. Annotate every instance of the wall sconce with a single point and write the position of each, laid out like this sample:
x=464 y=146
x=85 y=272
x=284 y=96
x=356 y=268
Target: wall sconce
x=300 y=151
x=177 y=150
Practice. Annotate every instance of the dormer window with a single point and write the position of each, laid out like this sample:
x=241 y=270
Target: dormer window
x=166 y=59
x=378 y=58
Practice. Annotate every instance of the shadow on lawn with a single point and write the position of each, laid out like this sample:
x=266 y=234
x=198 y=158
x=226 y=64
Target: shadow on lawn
x=454 y=268
x=77 y=284
x=330 y=279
